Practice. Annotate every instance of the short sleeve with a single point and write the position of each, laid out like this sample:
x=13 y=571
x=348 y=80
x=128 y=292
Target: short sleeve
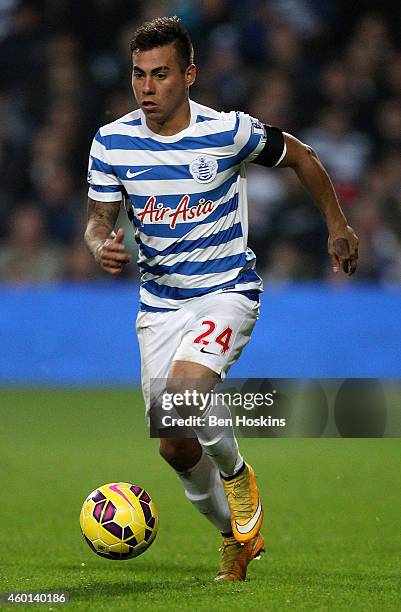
x=249 y=137
x=104 y=185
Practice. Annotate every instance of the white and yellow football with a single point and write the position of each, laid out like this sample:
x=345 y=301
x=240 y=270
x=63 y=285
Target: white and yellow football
x=119 y=520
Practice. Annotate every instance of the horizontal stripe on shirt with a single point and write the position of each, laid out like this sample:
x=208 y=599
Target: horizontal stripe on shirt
x=179 y=293
x=135 y=143
x=187 y=246
x=189 y=268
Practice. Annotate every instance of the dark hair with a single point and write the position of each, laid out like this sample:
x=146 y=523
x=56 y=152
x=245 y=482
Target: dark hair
x=163 y=31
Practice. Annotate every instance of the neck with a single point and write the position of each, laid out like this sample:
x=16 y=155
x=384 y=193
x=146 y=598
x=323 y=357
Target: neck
x=176 y=122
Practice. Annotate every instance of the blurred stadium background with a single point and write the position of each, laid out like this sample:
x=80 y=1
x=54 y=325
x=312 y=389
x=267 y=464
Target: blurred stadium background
x=329 y=72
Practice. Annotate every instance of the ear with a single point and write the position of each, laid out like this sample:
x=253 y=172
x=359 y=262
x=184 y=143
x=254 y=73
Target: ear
x=190 y=75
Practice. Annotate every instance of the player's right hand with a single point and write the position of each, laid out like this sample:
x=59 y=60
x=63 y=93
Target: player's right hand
x=111 y=254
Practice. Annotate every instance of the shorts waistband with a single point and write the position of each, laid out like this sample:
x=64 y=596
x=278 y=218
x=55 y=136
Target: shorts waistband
x=145 y=308
x=252 y=295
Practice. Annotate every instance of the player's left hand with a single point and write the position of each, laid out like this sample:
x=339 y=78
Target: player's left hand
x=343 y=249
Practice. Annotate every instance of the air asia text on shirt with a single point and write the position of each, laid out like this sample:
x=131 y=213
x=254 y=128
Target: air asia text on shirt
x=156 y=212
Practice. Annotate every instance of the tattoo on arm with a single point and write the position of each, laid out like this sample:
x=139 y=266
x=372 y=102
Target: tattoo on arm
x=102 y=217
x=103 y=213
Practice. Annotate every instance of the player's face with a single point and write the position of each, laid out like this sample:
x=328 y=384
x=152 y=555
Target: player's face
x=160 y=85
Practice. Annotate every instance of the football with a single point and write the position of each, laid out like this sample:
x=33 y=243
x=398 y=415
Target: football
x=119 y=520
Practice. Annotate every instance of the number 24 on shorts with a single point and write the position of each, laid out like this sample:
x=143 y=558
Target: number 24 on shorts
x=223 y=339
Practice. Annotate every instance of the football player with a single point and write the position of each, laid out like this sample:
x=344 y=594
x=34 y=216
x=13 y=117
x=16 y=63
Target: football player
x=181 y=168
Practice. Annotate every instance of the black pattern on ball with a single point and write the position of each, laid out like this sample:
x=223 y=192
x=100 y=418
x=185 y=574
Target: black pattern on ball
x=98 y=496
x=145 y=497
x=148 y=534
x=114 y=555
x=90 y=543
x=146 y=510
x=132 y=541
x=151 y=522
x=115 y=529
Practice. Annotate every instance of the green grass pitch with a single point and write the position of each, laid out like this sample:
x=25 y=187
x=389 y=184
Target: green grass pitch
x=332 y=526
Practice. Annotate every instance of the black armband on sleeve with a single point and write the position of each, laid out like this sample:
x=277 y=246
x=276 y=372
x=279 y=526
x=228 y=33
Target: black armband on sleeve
x=274 y=149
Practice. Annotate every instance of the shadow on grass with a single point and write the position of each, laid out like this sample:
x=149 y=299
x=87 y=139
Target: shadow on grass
x=133 y=587
x=115 y=580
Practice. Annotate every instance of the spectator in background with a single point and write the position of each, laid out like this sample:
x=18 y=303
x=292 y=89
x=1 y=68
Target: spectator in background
x=59 y=201
x=27 y=256
x=80 y=265
x=273 y=101
x=377 y=213
x=294 y=239
x=344 y=151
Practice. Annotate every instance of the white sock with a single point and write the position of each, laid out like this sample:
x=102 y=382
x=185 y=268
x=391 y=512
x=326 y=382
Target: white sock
x=219 y=442
x=205 y=491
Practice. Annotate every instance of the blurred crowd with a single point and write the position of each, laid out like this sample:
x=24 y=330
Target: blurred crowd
x=328 y=72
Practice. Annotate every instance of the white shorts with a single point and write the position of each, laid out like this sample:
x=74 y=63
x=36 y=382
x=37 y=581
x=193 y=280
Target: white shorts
x=211 y=330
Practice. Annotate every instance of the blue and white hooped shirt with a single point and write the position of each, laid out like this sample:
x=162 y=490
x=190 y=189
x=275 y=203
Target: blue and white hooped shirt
x=186 y=197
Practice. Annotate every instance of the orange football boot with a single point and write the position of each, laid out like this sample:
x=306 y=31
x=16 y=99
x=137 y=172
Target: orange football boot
x=244 y=504
x=235 y=557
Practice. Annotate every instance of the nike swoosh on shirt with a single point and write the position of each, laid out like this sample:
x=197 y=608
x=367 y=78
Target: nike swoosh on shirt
x=250 y=524
x=133 y=174
x=207 y=352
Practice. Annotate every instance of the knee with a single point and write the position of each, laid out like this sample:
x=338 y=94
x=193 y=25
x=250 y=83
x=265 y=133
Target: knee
x=181 y=453
x=174 y=451
x=189 y=376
